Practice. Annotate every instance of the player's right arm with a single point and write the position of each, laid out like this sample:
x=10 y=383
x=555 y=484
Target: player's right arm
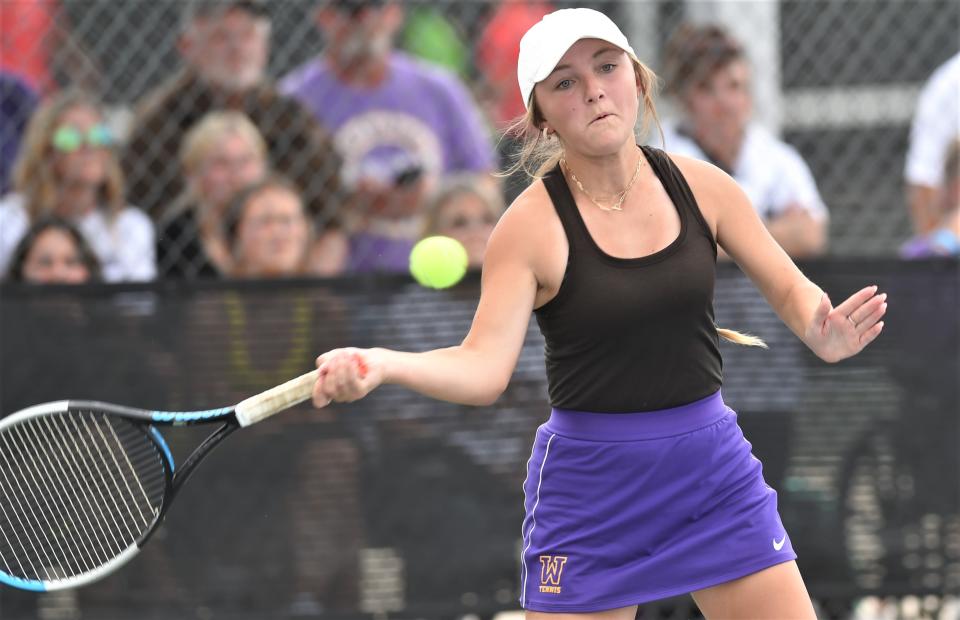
x=475 y=372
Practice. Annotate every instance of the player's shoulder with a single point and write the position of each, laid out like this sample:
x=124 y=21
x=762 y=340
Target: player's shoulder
x=523 y=223
x=699 y=173
x=532 y=204
x=712 y=187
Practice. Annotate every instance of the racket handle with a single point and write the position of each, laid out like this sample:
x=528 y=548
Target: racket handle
x=276 y=399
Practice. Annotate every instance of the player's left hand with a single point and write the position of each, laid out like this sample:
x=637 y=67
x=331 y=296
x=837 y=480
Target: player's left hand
x=838 y=333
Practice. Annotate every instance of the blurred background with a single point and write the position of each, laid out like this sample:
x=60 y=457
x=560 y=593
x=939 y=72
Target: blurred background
x=197 y=197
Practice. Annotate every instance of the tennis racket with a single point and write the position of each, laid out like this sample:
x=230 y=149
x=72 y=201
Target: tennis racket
x=84 y=484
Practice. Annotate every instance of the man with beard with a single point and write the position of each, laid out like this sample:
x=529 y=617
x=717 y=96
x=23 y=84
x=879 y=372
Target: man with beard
x=398 y=124
x=225 y=46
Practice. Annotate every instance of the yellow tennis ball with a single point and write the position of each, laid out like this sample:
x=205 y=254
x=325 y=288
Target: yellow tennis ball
x=438 y=262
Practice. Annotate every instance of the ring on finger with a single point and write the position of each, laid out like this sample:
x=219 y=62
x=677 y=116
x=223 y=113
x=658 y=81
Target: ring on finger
x=852 y=322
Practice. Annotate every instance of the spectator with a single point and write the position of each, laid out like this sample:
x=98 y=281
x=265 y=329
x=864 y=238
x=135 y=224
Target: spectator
x=225 y=46
x=466 y=211
x=53 y=251
x=222 y=154
x=398 y=123
x=268 y=231
x=935 y=123
x=67 y=168
x=944 y=238
x=708 y=72
x=17 y=102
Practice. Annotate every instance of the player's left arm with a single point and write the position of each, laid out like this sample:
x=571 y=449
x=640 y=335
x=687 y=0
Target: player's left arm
x=833 y=333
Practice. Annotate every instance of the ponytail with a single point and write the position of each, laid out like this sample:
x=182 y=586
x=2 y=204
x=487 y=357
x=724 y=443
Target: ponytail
x=739 y=338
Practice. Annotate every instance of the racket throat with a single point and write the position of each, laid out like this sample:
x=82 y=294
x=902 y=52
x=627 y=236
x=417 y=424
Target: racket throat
x=186 y=469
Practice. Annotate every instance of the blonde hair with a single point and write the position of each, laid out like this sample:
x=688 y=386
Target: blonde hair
x=537 y=155
x=746 y=340
x=35 y=176
x=457 y=185
x=203 y=136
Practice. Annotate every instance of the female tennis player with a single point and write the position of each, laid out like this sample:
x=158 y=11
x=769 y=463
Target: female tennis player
x=640 y=485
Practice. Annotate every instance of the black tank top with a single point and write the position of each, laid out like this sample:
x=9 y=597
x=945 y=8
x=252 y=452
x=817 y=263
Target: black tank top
x=633 y=334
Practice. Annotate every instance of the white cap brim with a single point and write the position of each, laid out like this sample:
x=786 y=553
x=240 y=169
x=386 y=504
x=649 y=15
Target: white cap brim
x=542 y=47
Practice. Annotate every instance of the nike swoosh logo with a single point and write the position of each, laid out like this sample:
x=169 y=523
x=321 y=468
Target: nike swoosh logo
x=777 y=546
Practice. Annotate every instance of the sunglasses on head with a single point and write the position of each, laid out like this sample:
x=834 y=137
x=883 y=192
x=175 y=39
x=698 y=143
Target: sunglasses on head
x=68 y=138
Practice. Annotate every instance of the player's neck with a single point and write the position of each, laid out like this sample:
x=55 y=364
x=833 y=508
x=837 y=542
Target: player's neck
x=607 y=176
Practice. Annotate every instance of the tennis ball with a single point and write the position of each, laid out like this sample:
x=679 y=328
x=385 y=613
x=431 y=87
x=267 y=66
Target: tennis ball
x=438 y=262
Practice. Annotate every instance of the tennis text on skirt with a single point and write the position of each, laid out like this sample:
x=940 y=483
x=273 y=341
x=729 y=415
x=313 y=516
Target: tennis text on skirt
x=627 y=508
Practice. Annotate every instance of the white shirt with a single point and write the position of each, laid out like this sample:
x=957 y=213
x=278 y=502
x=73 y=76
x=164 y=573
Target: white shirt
x=936 y=123
x=125 y=247
x=770 y=171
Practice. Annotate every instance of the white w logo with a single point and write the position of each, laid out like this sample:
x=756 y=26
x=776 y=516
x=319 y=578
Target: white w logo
x=551 y=567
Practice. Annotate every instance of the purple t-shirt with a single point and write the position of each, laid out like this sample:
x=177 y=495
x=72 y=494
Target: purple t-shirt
x=369 y=252
x=421 y=118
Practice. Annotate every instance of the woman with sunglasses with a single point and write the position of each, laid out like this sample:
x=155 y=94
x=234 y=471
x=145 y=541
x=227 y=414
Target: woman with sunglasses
x=68 y=168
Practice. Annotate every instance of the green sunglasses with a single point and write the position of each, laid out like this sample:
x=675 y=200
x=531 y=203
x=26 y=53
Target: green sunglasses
x=69 y=139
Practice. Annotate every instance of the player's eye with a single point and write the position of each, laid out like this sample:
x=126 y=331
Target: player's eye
x=563 y=84
x=607 y=67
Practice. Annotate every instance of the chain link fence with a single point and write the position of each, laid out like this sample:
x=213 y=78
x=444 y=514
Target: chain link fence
x=838 y=80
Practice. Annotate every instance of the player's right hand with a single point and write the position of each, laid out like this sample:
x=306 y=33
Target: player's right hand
x=346 y=375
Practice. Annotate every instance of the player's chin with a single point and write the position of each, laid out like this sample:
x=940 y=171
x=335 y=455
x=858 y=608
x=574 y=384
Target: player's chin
x=606 y=140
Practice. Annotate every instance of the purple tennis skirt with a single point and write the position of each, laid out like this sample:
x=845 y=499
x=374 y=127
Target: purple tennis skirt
x=627 y=508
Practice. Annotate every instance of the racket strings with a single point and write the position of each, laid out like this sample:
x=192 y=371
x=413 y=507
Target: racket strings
x=76 y=490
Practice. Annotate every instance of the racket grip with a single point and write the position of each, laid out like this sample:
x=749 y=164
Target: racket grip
x=276 y=399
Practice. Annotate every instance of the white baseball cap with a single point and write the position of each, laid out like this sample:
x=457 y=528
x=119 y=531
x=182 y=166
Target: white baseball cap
x=542 y=47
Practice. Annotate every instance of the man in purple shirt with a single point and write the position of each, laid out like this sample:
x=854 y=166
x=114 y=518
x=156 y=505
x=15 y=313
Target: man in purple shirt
x=398 y=124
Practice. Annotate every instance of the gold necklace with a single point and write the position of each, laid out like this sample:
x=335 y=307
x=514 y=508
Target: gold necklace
x=618 y=206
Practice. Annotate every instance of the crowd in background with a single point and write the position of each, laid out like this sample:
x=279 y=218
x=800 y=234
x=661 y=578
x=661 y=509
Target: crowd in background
x=341 y=165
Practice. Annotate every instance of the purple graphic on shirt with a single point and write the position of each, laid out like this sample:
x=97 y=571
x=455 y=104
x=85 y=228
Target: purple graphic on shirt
x=420 y=118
